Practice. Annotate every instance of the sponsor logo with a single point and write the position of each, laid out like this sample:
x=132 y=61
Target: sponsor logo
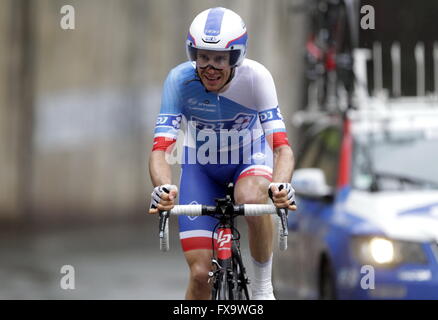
x=223 y=239
x=239 y=122
x=192 y=101
x=205 y=103
x=195 y=217
x=258 y=156
x=169 y=120
x=271 y=114
x=210 y=39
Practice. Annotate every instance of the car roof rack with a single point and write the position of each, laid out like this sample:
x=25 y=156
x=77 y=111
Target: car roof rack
x=380 y=96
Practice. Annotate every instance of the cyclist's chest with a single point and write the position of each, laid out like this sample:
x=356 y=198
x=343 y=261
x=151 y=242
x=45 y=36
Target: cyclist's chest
x=218 y=111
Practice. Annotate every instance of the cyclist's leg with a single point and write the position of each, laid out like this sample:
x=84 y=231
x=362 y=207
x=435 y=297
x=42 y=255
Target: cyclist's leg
x=260 y=235
x=196 y=232
x=251 y=186
x=253 y=189
x=199 y=262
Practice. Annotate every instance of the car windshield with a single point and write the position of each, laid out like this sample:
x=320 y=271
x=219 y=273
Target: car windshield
x=401 y=160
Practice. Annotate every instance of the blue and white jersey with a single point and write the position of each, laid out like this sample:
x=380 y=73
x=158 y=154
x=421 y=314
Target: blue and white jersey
x=247 y=108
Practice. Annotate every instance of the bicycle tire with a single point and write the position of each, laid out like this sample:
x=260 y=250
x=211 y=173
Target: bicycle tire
x=231 y=282
x=227 y=286
x=241 y=289
x=221 y=289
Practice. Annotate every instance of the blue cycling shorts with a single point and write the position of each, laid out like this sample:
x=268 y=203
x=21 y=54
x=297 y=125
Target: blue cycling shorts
x=202 y=183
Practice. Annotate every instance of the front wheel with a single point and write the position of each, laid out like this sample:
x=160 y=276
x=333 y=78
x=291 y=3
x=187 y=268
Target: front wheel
x=221 y=287
x=240 y=279
x=231 y=283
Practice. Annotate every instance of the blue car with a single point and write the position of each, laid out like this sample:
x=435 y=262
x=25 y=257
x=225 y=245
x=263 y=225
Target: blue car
x=367 y=193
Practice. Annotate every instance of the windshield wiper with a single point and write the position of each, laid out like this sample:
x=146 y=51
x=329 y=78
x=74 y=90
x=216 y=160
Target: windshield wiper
x=376 y=176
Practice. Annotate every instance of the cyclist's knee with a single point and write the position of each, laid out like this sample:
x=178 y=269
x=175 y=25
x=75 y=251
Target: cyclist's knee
x=199 y=274
x=251 y=190
x=251 y=195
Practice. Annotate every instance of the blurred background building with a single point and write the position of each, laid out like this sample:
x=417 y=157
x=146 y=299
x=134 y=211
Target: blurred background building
x=78 y=107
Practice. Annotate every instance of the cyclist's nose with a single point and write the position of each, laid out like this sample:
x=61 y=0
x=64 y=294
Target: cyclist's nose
x=210 y=69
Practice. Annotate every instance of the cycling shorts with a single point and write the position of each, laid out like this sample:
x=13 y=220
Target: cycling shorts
x=201 y=184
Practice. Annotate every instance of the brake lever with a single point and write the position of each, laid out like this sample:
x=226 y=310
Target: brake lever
x=164 y=215
x=283 y=213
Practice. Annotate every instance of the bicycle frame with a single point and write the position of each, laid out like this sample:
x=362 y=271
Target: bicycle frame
x=228 y=275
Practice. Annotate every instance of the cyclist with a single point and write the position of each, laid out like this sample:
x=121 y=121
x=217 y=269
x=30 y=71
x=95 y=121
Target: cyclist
x=219 y=93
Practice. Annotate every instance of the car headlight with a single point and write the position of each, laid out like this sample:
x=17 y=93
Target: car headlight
x=380 y=251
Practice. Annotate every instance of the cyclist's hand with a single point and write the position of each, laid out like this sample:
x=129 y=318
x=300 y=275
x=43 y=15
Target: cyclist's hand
x=163 y=198
x=283 y=195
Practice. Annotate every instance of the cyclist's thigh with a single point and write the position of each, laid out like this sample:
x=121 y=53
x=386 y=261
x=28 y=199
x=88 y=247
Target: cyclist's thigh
x=197 y=188
x=257 y=164
x=252 y=189
x=253 y=176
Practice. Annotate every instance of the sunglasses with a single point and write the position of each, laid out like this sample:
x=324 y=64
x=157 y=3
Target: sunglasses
x=217 y=62
x=211 y=66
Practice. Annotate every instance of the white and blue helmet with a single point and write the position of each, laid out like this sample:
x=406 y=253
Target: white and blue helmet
x=218 y=29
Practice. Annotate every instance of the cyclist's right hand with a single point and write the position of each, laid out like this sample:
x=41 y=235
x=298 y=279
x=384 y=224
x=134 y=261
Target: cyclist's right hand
x=282 y=195
x=163 y=198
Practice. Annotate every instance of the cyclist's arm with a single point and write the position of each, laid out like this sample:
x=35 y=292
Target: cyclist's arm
x=161 y=174
x=272 y=123
x=166 y=130
x=165 y=136
x=275 y=132
x=283 y=164
x=159 y=170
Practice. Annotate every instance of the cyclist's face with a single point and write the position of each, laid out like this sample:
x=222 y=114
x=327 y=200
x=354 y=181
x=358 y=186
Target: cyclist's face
x=213 y=68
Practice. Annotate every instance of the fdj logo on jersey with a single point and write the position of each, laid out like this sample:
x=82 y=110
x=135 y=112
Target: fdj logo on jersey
x=239 y=122
x=169 y=120
x=271 y=114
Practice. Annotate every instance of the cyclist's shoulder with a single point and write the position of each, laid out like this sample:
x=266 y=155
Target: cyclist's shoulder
x=255 y=68
x=182 y=72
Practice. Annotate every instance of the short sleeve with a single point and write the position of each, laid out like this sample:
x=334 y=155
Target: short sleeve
x=169 y=119
x=267 y=105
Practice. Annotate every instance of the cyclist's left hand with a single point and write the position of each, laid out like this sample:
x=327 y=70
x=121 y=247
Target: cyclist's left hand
x=283 y=195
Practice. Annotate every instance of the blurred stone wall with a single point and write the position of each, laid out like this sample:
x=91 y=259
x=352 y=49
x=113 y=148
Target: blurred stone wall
x=96 y=93
x=7 y=168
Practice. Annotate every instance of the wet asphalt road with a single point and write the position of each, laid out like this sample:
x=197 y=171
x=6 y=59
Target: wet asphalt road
x=115 y=261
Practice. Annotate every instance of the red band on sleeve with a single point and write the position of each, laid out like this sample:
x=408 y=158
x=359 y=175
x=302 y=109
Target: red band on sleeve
x=278 y=139
x=163 y=144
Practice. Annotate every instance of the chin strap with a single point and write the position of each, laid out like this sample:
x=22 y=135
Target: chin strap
x=230 y=77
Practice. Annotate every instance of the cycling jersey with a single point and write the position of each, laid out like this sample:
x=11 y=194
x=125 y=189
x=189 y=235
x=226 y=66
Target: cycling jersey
x=247 y=108
x=249 y=105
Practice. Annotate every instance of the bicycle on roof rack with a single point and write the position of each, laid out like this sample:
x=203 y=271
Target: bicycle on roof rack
x=332 y=35
x=228 y=275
